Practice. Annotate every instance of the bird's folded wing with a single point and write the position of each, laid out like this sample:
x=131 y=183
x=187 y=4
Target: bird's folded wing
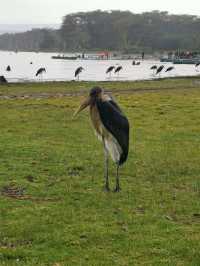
x=116 y=123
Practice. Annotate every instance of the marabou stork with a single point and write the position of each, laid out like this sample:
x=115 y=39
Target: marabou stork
x=3 y=79
x=8 y=68
x=159 y=69
x=40 y=71
x=154 y=68
x=117 y=69
x=197 y=65
x=134 y=63
x=111 y=126
x=109 y=70
x=78 y=71
x=169 y=69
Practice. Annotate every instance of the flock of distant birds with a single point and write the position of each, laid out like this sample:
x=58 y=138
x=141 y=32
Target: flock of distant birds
x=116 y=69
x=157 y=70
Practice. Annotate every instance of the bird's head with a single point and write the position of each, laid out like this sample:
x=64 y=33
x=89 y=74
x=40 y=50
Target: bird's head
x=95 y=93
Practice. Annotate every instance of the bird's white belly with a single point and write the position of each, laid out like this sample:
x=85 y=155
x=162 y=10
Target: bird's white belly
x=113 y=148
x=111 y=144
x=103 y=134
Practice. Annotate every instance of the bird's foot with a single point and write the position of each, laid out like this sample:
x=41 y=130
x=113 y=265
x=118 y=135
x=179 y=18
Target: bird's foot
x=106 y=188
x=117 y=189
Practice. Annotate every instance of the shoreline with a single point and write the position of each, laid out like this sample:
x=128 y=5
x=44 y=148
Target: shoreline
x=59 y=89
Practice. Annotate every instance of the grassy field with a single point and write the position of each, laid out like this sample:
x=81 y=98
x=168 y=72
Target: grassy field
x=53 y=210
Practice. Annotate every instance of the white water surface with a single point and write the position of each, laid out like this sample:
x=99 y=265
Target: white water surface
x=94 y=70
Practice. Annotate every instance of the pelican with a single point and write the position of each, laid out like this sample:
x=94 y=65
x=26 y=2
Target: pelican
x=111 y=127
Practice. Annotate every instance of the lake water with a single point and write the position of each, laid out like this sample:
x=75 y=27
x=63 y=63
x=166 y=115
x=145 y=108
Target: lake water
x=94 y=70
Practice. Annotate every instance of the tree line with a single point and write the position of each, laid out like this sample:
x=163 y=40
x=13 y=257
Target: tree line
x=112 y=30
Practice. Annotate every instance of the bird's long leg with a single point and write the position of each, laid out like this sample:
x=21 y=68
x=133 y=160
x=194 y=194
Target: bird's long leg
x=107 y=188
x=117 y=188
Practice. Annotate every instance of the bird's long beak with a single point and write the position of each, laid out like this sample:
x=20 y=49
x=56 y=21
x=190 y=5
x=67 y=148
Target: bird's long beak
x=84 y=104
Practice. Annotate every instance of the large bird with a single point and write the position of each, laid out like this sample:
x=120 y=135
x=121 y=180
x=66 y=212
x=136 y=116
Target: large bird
x=153 y=67
x=109 y=70
x=134 y=63
x=78 y=71
x=3 y=79
x=197 y=66
x=8 y=68
x=159 y=69
x=111 y=127
x=169 y=69
x=117 y=69
x=40 y=71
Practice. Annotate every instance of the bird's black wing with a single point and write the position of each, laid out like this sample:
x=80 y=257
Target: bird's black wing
x=78 y=70
x=116 y=123
x=38 y=72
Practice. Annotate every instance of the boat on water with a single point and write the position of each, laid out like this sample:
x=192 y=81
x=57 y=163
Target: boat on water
x=94 y=56
x=166 y=60
x=181 y=58
x=186 y=61
x=63 y=57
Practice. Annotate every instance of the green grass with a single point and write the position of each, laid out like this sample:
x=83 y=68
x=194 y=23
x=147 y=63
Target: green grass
x=64 y=217
x=72 y=87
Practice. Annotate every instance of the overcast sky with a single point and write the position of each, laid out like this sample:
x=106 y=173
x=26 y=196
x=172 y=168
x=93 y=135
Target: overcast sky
x=52 y=11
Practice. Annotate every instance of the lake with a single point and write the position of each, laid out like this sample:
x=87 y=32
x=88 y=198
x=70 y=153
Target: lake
x=94 y=70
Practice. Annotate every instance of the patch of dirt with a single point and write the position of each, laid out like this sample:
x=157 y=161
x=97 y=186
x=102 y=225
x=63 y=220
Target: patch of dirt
x=84 y=92
x=13 y=245
x=18 y=193
x=13 y=191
